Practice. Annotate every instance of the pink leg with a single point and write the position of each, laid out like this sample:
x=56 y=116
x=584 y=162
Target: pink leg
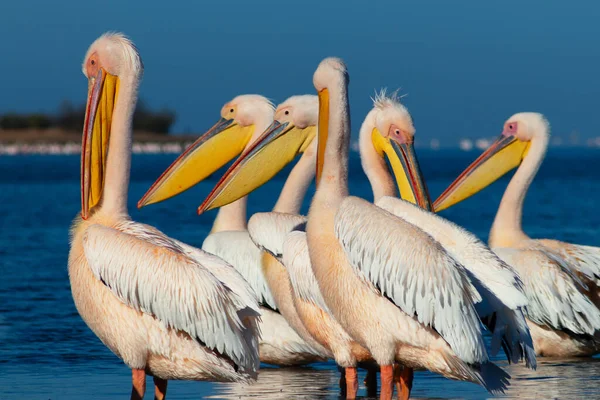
x=351 y=382
x=138 y=379
x=160 y=388
x=387 y=382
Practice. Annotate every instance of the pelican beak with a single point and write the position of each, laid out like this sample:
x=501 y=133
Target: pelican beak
x=406 y=168
x=276 y=147
x=221 y=144
x=102 y=94
x=504 y=154
x=323 y=130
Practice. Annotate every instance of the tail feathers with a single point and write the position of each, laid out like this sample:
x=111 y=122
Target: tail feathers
x=493 y=378
x=508 y=328
x=512 y=333
x=251 y=333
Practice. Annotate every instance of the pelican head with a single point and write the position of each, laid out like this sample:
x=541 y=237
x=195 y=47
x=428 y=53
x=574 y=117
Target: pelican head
x=110 y=62
x=505 y=154
x=392 y=135
x=291 y=134
x=215 y=148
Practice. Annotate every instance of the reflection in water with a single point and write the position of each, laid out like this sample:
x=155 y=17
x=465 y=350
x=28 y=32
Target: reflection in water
x=556 y=379
x=284 y=383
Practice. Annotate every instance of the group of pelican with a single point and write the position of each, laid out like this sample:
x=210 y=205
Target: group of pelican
x=386 y=285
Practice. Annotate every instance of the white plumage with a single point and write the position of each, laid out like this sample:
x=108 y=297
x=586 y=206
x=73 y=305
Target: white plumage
x=413 y=270
x=297 y=261
x=499 y=293
x=237 y=249
x=269 y=230
x=165 y=308
x=152 y=273
x=560 y=279
x=280 y=344
x=556 y=295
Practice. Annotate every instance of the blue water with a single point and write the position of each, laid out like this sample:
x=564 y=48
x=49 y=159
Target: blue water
x=47 y=352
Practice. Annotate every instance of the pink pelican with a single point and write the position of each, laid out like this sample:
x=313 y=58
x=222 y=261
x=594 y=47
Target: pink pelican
x=166 y=309
x=561 y=279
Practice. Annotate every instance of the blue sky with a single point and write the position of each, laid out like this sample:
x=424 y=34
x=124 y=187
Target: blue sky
x=466 y=65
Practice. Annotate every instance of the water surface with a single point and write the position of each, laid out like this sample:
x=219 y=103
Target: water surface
x=47 y=352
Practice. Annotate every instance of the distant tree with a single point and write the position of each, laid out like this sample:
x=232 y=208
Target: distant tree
x=149 y=121
x=13 y=121
x=39 y=121
x=70 y=118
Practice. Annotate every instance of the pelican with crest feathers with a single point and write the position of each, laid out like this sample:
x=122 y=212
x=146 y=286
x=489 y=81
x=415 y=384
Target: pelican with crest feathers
x=165 y=308
x=390 y=283
x=561 y=279
x=282 y=343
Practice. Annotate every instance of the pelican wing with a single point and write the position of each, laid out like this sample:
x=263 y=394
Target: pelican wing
x=269 y=230
x=499 y=287
x=556 y=297
x=237 y=249
x=152 y=273
x=584 y=259
x=297 y=261
x=414 y=271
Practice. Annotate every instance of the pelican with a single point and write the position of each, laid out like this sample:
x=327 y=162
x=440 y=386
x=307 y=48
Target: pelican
x=280 y=344
x=560 y=278
x=496 y=287
x=166 y=309
x=295 y=123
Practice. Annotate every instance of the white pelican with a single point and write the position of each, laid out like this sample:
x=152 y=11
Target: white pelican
x=251 y=115
x=560 y=278
x=499 y=296
x=388 y=283
x=295 y=124
x=166 y=309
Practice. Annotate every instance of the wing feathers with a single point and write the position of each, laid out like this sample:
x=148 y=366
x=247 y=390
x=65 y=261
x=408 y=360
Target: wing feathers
x=499 y=292
x=151 y=273
x=297 y=261
x=414 y=271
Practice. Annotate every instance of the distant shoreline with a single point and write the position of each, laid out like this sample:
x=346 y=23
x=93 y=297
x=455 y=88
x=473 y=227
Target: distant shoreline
x=55 y=141
x=58 y=142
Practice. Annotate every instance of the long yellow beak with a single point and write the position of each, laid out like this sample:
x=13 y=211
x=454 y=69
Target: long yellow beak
x=102 y=94
x=505 y=154
x=406 y=169
x=323 y=130
x=221 y=144
x=276 y=147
